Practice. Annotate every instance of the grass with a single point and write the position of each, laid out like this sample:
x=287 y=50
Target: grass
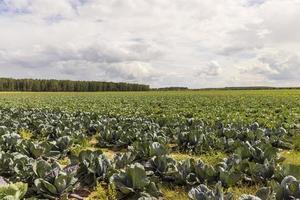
x=174 y=193
x=84 y=145
x=180 y=193
x=296 y=142
x=238 y=191
x=108 y=153
x=291 y=157
x=98 y=194
x=88 y=143
x=93 y=140
x=209 y=158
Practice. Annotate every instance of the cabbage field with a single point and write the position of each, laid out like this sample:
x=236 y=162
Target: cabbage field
x=200 y=145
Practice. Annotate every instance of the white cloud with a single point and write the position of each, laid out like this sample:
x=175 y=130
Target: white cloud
x=213 y=69
x=277 y=65
x=172 y=42
x=131 y=71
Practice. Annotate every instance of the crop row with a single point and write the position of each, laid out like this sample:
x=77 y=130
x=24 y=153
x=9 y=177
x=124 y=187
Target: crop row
x=33 y=142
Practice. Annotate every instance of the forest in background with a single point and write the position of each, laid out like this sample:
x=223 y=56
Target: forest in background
x=43 y=85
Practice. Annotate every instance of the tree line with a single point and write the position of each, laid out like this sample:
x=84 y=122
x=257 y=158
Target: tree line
x=170 y=89
x=43 y=85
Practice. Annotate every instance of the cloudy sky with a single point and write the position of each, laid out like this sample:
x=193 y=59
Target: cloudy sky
x=193 y=43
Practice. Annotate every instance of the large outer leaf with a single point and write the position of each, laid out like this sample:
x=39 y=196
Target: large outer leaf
x=230 y=178
x=41 y=168
x=157 y=149
x=118 y=179
x=45 y=187
x=60 y=183
x=137 y=174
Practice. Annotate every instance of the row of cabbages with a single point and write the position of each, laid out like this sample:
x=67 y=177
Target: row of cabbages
x=135 y=181
x=139 y=172
x=146 y=165
x=191 y=135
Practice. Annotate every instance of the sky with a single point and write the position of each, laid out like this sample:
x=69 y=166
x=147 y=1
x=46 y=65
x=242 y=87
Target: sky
x=190 y=43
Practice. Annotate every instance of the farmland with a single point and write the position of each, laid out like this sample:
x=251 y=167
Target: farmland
x=150 y=145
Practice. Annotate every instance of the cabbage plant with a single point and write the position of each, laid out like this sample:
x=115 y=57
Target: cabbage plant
x=53 y=182
x=134 y=183
x=162 y=166
x=93 y=166
x=12 y=191
x=289 y=188
x=202 y=192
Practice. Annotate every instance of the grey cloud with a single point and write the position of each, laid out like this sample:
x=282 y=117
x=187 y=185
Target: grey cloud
x=255 y=2
x=278 y=65
x=243 y=41
x=97 y=53
x=132 y=71
x=211 y=70
x=286 y=69
x=17 y=7
x=123 y=71
x=129 y=61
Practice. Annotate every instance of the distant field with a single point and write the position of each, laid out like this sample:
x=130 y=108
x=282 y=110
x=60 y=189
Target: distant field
x=159 y=145
x=268 y=107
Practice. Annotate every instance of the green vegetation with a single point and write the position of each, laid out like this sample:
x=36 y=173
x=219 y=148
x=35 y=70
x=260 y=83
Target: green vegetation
x=99 y=193
x=174 y=193
x=246 y=189
x=25 y=134
x=40 y=85
x=269 y=108
x=209 y=158
x=291 y=157
x=150 y=145
x=296 y=140
x=12 y=190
